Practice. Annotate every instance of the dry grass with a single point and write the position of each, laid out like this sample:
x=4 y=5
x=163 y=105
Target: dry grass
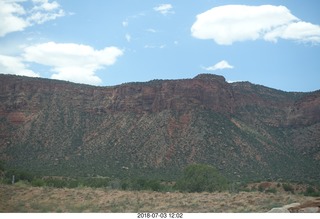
x=34 y=199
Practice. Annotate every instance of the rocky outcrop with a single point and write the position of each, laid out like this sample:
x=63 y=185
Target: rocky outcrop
x=156 y=96
x=312 y=206
x=305 y=111
x=307 y=207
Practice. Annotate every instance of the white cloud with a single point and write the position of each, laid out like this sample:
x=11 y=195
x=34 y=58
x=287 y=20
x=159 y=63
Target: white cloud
x=14 y=17
x=45 y=5
x=14 y=65
x=40 y=17
x=125 y=23
x=76 y=74
x=151 y=30
x=148 y=46
x=231 y=23
x=164 y=9
x=72 y=62
x=128 y=38
x=219 y=66
x=11 y=21
x=300 y=31
x=44 y=11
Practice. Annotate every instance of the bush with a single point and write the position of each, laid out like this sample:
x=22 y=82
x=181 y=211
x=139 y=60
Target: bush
x=22 y=183
x=56 y=183
x=115 y=184
x=261 y=188
x=142 y=184
x=18 y=175
x=201 y=177
x=1 y=166
x=73 y=184
x=271 y=190
x=37 y=182
x=310 y=191
x=288 y=188
x=96 y=182
x=154 y=185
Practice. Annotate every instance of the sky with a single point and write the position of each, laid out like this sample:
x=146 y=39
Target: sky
x=275 y=43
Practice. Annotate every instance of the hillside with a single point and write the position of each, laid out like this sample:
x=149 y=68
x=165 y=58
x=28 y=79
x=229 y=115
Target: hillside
x=156 y=128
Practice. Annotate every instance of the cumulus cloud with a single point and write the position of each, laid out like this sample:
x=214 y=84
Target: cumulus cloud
x=45 y=5
x=72 y=62
x=15 y=65
x=11 y=20
x=219 y=66
x=44 y=11
x=231 y=23
x=299 y=31
x=164 y=9
x=14 y=17
x=40 y=17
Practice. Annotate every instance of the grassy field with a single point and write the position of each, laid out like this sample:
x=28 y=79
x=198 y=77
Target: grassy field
x=24 y=198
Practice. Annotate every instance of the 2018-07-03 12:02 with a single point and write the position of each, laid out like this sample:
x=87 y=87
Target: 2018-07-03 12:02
x=160 y=215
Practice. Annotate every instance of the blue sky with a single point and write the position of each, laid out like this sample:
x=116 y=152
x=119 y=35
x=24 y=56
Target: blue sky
x=272 y=43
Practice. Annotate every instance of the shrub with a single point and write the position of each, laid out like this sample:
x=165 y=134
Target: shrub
x=125 y=185
x=1 y=166
x=56 y=183
x=18 y=175
x=201 y=177
x=261 y=188
x=310 y=191
x=154 y=185
x=96 y=182
x=271 y=190
x=37 y=182
x=142 y=184
x=288 y=188
x=73 y=184
x=115 y=184
x=22 y=183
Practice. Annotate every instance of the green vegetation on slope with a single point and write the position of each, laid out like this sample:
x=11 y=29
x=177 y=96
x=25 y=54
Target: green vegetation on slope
x=200 y=178
x=154 y=130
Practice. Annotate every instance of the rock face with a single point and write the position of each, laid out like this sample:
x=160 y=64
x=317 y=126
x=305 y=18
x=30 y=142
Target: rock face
x=158 y=127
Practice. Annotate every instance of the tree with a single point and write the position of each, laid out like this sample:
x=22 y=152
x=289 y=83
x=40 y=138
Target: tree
x=1 y=165
x=201 y=177
x=2 y=170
